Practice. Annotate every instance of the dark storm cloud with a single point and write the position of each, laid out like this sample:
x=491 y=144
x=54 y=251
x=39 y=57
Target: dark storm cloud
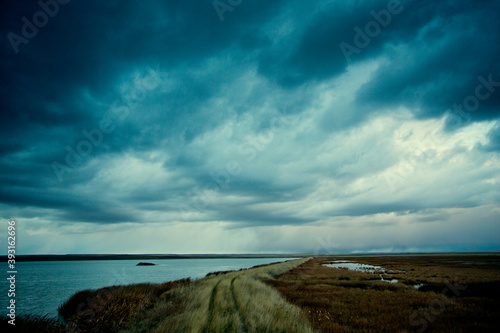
x=494 y=139
x=457 y=42
x=313 y=52
x=87 y=48
x=426 y=43
x=248 y=218
x=67 y=78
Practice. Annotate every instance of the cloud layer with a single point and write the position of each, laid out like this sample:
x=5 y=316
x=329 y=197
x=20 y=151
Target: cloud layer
x=260 y=126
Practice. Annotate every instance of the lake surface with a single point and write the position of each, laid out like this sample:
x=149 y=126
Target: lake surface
x=356 y=266
x=42 y=286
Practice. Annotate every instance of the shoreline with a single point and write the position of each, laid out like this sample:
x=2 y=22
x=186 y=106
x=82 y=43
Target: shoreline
x=89 y=257
x=77 y=257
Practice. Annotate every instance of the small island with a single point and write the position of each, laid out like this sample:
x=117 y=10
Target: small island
x=145 y=264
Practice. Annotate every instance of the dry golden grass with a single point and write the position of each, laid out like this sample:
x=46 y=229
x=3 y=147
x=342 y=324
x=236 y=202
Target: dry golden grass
x=264 y=310
x=337 y=300
x=224 y=316
x=231 y=302
x=109 y=309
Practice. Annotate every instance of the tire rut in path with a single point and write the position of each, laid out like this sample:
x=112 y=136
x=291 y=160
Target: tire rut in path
x=211 y=308
x=242 y=328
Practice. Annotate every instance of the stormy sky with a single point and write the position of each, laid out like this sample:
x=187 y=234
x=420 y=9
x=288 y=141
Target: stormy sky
x=239 y=126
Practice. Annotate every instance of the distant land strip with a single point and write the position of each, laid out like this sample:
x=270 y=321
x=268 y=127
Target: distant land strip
x=74 y=257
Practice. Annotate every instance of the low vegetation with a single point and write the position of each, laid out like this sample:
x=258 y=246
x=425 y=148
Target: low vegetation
x=108 y=309
x=455 y=294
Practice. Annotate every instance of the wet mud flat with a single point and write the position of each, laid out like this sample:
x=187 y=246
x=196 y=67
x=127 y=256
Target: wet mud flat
x=417 y=293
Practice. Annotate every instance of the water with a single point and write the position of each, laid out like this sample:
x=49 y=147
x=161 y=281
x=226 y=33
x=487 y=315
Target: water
x=43 y=285
x=356 y=266
x=388 y=281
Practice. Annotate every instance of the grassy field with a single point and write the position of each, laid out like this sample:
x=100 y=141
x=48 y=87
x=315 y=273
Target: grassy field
x=236 y=301
x=456 y=294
